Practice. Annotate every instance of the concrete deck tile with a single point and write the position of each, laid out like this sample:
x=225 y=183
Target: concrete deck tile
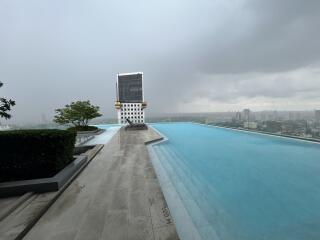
x=6 y=204
x=166 y=233
x=138 y=204
x=12 y=226
x=160 y=215
x=137 y=183
x=116 y=226
x=93 y=224
x=64 y=235
x=65 y=214
x=123 y=180
x=140 y=228
x=119 y=200
x=149 y=172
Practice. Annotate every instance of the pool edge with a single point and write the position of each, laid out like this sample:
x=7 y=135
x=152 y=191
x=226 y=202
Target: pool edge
x=186 y=228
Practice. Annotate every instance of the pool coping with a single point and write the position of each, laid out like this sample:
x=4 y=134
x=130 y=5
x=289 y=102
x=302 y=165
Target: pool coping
x=186 y=229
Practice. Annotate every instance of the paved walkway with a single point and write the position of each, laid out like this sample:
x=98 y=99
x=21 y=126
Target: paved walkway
x=116 y=197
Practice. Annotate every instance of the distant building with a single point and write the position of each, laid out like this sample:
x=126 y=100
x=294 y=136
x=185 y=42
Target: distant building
x=275 y=116
x=4 y=128
x=317 y=115
x=250 y=125
x=130 y=98
x=292 y=116
x=272 y=126
x=246 y=115
x=238 y=116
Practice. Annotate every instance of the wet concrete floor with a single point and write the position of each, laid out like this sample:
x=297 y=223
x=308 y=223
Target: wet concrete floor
x=117 y=196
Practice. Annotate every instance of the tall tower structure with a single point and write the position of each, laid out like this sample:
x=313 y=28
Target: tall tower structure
x=130 y=98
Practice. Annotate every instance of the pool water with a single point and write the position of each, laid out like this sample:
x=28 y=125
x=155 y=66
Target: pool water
x=238 y=185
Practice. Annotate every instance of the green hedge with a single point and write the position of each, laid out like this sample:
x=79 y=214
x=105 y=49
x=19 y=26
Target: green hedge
x=83 y=128
x=30 y=154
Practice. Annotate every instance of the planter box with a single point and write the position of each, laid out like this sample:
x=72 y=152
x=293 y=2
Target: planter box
x=40 y=185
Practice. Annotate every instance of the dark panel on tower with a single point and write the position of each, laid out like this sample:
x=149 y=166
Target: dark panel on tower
x=130 y=88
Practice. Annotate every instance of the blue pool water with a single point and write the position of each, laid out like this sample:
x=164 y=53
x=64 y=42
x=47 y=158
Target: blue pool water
x=242 y=186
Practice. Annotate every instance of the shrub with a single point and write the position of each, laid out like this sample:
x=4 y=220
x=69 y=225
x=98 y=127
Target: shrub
x=77 y=113
x=5 y=106
x=83 y=128
x=30 y=154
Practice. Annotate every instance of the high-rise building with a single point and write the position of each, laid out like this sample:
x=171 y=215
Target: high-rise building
x=130 y=102
x=317 y=115
x=246 y=114
x=238 y=116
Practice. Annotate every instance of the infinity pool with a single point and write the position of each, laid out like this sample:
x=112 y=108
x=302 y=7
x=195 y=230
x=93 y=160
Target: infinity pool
x=237 y=185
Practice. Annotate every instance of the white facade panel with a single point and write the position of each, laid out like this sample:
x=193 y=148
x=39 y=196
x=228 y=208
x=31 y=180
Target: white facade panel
x=133 y=111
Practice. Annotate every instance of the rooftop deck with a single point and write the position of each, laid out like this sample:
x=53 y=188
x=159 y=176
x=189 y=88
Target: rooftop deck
x=117 y=196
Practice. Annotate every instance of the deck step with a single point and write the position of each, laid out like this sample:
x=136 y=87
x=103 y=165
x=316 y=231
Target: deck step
x=202 y=192
x=13 y=204
x=187 y=186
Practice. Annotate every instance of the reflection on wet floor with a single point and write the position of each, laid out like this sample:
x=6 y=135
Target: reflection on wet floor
x=104 y=137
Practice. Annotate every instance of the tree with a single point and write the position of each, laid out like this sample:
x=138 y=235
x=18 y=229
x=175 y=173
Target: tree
x=77 y=113
x=5 y=106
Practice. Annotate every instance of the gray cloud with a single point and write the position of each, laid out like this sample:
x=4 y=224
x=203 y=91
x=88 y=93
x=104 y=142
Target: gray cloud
x=301 y=84
x=53 y=52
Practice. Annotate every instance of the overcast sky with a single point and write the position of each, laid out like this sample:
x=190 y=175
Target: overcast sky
x=196 y=55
